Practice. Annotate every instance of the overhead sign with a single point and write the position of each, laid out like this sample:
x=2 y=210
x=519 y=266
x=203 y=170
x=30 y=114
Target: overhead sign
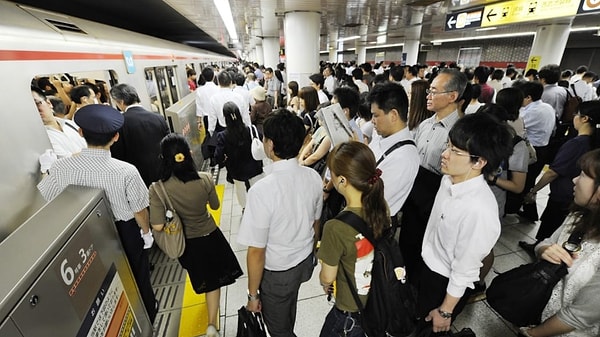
x=588 y=6
x=528 y=10
x=463 y=20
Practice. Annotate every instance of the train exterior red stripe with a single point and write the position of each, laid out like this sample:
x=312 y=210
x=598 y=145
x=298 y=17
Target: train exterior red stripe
x=36 y=55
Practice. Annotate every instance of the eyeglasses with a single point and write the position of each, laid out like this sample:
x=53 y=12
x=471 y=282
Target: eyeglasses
x=433 y=93
x=459 y=153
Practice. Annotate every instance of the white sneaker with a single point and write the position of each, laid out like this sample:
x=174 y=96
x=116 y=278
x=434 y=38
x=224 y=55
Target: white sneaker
x=211 y=331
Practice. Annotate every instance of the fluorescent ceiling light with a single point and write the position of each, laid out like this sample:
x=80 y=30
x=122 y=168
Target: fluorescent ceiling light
x=386 y=46
x=583 y=29
x=485 y=29
x=225 y=12
x=483 y=37
x=345 y=38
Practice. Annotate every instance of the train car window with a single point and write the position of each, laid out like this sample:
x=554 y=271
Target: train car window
x=174 y=80
x=161 y=83
x=58 y=88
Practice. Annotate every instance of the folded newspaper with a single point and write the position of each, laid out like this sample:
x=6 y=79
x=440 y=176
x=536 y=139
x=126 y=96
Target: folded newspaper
x=335 y=123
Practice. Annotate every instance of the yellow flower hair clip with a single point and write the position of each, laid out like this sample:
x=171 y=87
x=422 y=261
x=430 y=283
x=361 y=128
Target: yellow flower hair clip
x=179 y=157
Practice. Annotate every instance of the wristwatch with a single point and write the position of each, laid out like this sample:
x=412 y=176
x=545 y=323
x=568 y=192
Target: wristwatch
x=444 y=314
x=253 y=297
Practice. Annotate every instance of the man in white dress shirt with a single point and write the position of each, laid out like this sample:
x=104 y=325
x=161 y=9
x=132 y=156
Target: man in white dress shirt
x=279 y=225
x=393 y=147
x=216 y=119
x=62 y=133
x=464 y=224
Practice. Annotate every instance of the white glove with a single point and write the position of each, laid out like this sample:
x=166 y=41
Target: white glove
x=46 y=160
x=148 y=239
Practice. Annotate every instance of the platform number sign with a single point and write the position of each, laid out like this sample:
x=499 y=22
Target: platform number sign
x=128 y=57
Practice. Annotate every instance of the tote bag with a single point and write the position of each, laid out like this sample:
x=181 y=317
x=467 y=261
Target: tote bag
x=171 y=240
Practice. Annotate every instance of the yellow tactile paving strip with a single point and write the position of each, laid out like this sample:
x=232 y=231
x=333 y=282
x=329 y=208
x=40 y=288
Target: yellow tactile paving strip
x=194 y=317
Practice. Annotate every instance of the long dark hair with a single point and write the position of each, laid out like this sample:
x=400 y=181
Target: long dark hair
x=176 y=159
x=238 y=135
x=356 y=162
x=417 y=110
x=588 y=220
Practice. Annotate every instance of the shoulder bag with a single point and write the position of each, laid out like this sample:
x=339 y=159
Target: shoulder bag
x=521 y=294
x=171 y=240
x=258 y=151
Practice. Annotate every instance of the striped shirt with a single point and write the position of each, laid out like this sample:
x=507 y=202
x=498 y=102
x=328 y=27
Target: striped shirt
x=121 y=181
x=431 y=137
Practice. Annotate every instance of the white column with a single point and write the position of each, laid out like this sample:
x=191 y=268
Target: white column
x=549 y=43
x=413 y=36
x=302 y=31
x=361 y=45
x=333 y=46
x=271 y=51
x=411 y=48
x=260 y=56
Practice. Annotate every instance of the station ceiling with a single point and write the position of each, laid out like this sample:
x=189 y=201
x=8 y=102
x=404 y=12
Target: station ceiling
x=380 y=22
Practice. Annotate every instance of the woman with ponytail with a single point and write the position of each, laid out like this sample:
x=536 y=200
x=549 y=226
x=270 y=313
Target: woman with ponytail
x=208 y=259
x=356 y=177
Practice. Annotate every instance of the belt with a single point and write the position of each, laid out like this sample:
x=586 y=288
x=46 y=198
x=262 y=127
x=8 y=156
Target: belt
x=354 y=315
x=296 y=266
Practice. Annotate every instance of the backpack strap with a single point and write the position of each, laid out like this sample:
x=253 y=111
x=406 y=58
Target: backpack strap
x=573 y=87
x=356 y=222
x=360 y=225
x=395 y=146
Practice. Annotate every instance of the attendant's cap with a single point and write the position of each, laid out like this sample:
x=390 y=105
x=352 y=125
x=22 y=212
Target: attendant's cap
x=99 y=118
x=259 y=93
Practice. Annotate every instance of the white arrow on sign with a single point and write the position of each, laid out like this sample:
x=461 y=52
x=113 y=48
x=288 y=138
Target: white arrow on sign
x=451 y=21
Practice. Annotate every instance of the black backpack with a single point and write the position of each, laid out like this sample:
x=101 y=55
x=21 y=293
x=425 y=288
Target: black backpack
x=390 y=308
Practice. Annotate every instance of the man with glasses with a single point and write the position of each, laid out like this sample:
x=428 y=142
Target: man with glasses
x=464 y=224
x=62 y=133
x=430 y=138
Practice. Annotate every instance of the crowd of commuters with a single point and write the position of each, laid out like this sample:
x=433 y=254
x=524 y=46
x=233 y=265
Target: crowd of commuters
x=443 y=153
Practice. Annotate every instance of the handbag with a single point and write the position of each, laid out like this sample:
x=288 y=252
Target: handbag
x=250 y=324
x=530 y=148
x=521 y=294
x=171 y=240
x=258 y=151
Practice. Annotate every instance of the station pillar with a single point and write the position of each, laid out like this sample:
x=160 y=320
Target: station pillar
x=361 y=45
x=271 y=51
x=549 y=44
x=413 y=36
x=333 y=44
x=260 y=56
x=411 y=48
x=302 y=29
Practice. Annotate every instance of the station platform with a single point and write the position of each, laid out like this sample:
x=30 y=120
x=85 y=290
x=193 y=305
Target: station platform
x=182 y=313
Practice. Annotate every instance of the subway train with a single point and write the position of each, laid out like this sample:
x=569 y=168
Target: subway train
x=37 y=43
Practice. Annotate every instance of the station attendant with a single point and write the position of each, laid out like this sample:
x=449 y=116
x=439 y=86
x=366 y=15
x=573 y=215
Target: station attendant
x=122 y=183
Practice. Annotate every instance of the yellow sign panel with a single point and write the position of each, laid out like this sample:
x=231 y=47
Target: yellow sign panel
x=527 y=10
x=534 y=62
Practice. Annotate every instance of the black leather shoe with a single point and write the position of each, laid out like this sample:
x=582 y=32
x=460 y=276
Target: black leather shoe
x=529 y=217
x=528 y=247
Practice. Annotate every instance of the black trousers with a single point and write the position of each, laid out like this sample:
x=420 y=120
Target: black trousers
x=554 y=215
x=133 y=244
x=432 y=290
x=415 y=214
